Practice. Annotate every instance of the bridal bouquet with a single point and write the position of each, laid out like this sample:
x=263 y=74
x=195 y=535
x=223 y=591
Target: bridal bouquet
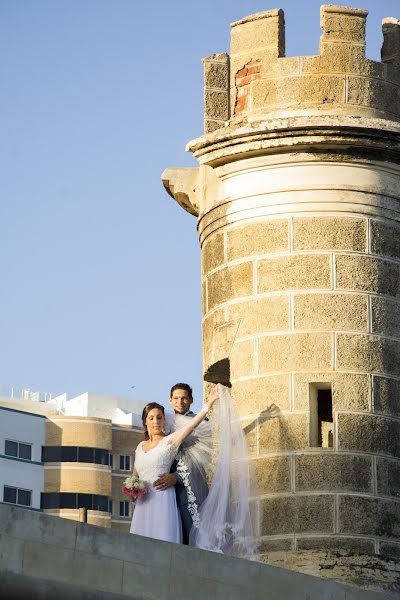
x=135 y=488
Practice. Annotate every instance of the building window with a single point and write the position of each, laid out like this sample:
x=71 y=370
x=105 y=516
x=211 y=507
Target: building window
x=124 y=509
x=101 y=457
x=18 y=449
x=69 y=454
x=83 y=454
x=18 y=496
x=110 y=506
x=125 y=462
x=321 y=415
x=57 y=500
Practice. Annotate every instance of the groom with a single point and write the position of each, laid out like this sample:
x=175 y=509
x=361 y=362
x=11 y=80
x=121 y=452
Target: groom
x=181 y=397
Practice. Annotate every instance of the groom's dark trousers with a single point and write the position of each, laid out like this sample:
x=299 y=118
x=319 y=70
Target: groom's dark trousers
x=182 y=499
x=182 y=503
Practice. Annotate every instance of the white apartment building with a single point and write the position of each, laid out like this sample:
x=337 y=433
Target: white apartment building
x=22 y=436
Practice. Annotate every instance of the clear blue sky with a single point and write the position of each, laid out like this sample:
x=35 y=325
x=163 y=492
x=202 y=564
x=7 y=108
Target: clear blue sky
x=100 y=269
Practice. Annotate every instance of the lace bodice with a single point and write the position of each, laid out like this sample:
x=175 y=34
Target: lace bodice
x=149 y=465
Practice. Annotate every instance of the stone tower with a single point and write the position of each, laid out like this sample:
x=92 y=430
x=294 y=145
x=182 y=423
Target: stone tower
x=297 y=199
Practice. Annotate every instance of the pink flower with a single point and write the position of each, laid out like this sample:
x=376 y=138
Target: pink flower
x=141 y=488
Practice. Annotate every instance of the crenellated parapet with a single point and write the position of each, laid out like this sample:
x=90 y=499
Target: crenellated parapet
x=262 y=81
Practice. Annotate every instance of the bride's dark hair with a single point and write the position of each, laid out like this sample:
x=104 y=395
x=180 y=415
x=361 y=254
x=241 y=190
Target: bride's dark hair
x=146 y=411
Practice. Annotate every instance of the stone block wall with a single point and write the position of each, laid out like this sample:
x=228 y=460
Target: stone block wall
x=310 y=300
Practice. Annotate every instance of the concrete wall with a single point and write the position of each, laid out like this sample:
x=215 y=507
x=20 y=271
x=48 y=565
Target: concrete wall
x=44 y=557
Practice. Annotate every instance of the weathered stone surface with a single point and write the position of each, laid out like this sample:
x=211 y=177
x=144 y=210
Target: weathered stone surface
x=294 y=91
x=333 y=473
x=341 y=24
x=392 y=72
x=391 y=40
x=389 y=549
x=369 y=516
x=297 y=514
x=204 y=298
x=280 y=67
x=216 y=104
x=386 y=396
x=347 y=545
x=181 y=185
x=373 y=93
x=249 y=427
x=216 y=74
x=385 y=316
x=284 y=433
x=276 y=545
x=257 y=34
x=297 y=351
x=218 y=337
x=385 y=239
x=388 y=477
x=330 y=233
x=261 y=315
x=273 y=474
x=294 y=273
x=350 y=391
x=342 y=58
x=242 y=359
x=368 y=274
x=369 y=433
x=209 y=325
x=254 y=396
x=227 y=284
x=211 y=125
x=359 y=352
x=333 y=312
x=258 y=238
x=212 y=254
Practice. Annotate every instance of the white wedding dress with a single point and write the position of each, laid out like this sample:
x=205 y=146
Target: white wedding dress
x=228 y=520
x=156 y=514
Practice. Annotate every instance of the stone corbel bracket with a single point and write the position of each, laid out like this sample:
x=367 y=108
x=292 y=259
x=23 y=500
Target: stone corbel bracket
x=181 y=185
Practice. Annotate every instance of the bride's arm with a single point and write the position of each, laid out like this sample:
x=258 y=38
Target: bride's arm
x=179 y=436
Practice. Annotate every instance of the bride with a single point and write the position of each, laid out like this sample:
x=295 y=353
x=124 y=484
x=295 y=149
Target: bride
x=227 y=521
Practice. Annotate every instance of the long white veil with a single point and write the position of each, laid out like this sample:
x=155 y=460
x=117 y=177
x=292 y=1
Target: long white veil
x=228 y=519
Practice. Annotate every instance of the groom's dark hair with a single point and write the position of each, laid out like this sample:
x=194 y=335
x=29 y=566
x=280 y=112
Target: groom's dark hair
x=182 y=386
